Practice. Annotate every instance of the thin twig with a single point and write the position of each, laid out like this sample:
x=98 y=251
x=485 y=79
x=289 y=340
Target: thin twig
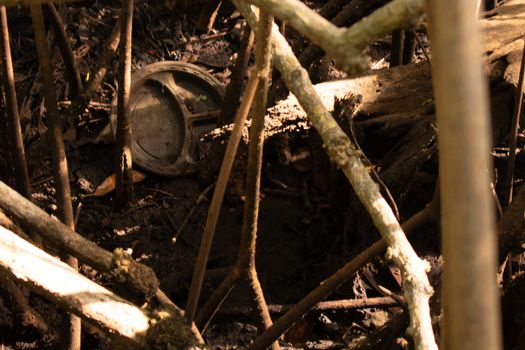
x=123 y=160
x=247 y=248
x=245 y=266
x=62 y=39
x=218 y=195
x=513 y=133
x=13 y=119
x=201 y=198
x=323 y=306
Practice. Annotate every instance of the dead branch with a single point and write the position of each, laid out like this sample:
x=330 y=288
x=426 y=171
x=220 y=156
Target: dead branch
x=345 y=44
x=76 y=293
x=417 y=290
x=246 y=261
x=96 y=77
x=137 y=281
x=513 y=134
x=208 y=14
x=351 y=13
x=245 y=266
x=28 y=317
x=330 y=305
x=137 y=278
x=218 y=195
x=231 y=101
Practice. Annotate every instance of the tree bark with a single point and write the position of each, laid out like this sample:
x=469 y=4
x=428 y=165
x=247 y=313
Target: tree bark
x=76 y=293
x=470 y=292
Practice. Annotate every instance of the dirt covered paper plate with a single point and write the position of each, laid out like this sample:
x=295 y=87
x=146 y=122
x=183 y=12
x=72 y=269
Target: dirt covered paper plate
x=171 y=104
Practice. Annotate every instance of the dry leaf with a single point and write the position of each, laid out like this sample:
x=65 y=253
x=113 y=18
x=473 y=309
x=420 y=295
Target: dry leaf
x=108 y=185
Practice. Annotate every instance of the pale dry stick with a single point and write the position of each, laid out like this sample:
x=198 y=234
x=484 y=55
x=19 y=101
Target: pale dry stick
x=139 y=279
x=58 y=153
x=513 y=134
x=471 y=298
x=33 y=219
x=66 y=287
x=218 y=195
x=417 y=289
x=345 y=44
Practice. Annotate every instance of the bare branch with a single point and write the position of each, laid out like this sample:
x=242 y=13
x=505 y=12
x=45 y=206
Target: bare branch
x=417 y=289
x=345 y=44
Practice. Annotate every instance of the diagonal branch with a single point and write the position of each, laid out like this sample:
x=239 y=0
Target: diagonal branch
x=417 y=289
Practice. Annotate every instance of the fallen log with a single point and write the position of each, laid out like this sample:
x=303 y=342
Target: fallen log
x=64 y=286
x=136 y=280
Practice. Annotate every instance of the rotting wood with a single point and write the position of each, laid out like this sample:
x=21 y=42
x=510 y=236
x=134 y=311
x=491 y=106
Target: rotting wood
x=76 y=293
x=407 y=89
x=137 y=278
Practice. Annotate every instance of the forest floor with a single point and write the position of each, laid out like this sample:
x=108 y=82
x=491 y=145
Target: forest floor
x=304 y=233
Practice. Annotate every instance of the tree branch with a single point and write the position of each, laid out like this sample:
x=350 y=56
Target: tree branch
x=345 y=44
x=417 y=289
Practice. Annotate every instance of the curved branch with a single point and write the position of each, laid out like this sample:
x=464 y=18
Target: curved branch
x=345 y=44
